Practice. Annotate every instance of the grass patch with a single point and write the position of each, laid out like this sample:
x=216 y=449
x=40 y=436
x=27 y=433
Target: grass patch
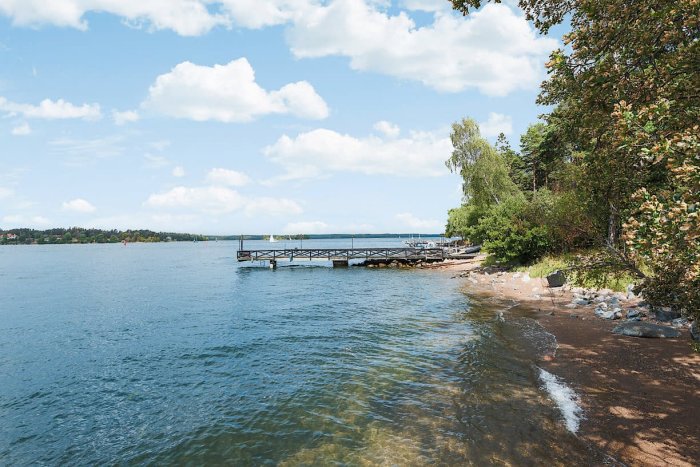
x=588 y=278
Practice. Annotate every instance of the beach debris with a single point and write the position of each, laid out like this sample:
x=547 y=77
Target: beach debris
x=556 y=279
x=645 y=329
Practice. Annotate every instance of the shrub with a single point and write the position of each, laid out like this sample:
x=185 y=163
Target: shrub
x=509 y=233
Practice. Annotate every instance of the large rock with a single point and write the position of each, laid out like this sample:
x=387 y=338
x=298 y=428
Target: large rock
x=556 y=279
x=645 y=329
x=666 y=314
x=695 y=331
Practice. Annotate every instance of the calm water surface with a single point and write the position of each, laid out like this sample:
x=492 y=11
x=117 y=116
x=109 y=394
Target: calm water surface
x=173 y=353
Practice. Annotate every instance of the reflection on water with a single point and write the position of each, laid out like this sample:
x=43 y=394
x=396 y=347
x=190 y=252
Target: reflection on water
x=172 y=354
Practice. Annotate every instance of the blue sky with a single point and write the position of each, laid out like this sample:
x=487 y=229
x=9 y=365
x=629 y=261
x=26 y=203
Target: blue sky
x=242 y=116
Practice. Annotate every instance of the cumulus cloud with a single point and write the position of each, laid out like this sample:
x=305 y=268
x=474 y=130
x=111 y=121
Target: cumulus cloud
x=320 y=152
x=218 y=200
x=186 y=17
x=78 y=205
x=178 y=171
x=227 y=177
x=128 y=116
x=496 y=124
x=22 y=130
x=228 y=93
x=52 y=110
x=409 y=220
x=388 y=129
x=493 y=49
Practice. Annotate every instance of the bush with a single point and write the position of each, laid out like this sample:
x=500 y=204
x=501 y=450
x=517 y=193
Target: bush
x=509 y=233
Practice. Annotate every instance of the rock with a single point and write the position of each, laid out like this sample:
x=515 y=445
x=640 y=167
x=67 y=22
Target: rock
x=526 y=278
x=599 y=299
x=614 y=301
x=602 y=306
x=679 y=323
x=630 y=292
x=633 y=313
x=571 y=305
x=580 y=301
x=645 y=329
x=666 y=314
x=608 y=314
x=695 y=331
x=556 y=279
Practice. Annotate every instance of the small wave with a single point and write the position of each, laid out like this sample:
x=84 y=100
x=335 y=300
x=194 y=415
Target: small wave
x=565 y=398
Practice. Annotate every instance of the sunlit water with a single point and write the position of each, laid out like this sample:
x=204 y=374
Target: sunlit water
x=173 y=353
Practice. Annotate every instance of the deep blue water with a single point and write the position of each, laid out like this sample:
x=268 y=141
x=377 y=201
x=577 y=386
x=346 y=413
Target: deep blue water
x=174 y=353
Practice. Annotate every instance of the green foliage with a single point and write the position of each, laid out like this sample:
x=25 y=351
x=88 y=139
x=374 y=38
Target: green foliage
x=511 y=233
x=578 y=276
x=483 y=169
x=462 y=220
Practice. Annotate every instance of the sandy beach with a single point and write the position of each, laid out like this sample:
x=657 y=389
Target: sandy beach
x=640 y=396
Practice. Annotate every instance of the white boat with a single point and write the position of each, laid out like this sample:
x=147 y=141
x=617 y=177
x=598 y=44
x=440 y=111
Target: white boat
x=272 y=239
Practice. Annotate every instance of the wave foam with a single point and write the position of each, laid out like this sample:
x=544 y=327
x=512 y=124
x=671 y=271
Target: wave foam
x=565 y=398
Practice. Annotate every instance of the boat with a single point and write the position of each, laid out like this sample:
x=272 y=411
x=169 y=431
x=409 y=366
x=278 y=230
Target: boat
x=272 y=239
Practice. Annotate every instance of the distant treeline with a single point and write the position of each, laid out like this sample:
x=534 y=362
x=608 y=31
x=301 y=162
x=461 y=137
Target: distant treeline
x=81 y=235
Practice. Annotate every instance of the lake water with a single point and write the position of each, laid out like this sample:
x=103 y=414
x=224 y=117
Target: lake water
x=173 y=353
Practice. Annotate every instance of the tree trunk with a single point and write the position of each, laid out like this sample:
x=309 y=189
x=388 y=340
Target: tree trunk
x=613 y=225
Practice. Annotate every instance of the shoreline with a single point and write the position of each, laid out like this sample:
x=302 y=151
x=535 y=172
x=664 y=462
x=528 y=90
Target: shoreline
x=639 y=395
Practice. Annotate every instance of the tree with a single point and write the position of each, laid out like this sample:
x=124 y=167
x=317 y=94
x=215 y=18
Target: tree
x=483 y=169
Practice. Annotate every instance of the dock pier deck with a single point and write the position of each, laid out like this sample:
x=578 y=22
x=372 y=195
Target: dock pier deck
x=341 y=256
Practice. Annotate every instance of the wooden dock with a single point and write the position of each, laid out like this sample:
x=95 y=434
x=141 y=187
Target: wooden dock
x=342 y=256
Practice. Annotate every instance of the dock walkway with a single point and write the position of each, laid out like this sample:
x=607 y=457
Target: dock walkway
x=341 y=256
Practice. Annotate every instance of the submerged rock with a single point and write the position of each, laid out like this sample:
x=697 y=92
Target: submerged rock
x=645 y=329
x=556 y=279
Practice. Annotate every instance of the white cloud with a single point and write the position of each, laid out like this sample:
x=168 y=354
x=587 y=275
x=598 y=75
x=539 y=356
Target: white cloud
x=426 y=5
x=178 y=171
x=388 y=129
x=320 y=152
x=272 y=206
x=496 y=124
x=256 y=14
x=155 y=161
x=306 y=227
x=52 y=110
x=22 y=130
x=409 y=220
x=218 y=200
x=493 y=49
x=6 y=193
x=18 y=220
x=211 y=200
x=128 y=116
x=78 y=205
x=81 y=151
x=227 y=177
x=186 y=17
x=228 y=93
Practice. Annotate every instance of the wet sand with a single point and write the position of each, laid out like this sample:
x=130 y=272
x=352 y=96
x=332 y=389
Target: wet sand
x=641 y=397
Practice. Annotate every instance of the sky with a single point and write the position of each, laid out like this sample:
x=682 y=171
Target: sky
x=252 y=116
